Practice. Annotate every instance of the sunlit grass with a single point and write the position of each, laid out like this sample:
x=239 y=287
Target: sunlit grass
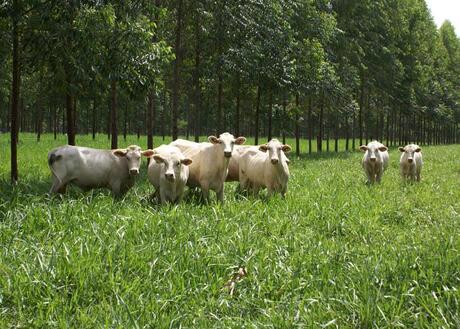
x=335 y=252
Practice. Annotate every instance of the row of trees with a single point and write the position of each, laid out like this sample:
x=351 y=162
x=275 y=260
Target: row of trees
x=315 y=69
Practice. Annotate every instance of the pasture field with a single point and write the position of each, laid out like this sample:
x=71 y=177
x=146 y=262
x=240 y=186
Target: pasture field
x=334 y=253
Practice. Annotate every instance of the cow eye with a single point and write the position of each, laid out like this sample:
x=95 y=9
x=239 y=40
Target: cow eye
x=178 y=163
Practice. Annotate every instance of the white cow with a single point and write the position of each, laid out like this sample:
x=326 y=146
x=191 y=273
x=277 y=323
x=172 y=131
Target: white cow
x=234 y=163
x=169 y=173
x=411 y=162
x=375 y=161
x=265 y=166
x=93 y=168
x=210 y=162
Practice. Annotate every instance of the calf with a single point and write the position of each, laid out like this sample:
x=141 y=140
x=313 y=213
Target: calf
x=411 y=162
x=169 y=173
x=210 y=162
x=93 y=168
x=375 y=161
x=265 y=166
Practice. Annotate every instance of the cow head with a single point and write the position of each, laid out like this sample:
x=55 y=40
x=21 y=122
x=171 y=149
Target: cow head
x=133 y=154
x=276 y=151
x=373 y=150
x=226 y=141
x=409 y=152
x=172 y=164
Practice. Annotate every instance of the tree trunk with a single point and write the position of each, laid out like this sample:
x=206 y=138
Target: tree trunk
x=310 y=125
x=283 y=122
x=39 y=120
x=256 y=128
x=270 y=113
x=150 y=117
x=113 y=114
x=297 y=128
x=69 y=116
x=15 y=95
x=360 y=114
x=319 y=141
x=196 y=79
x=93 y=123
x=176 y=78
x=55 y=122
x=237 y=110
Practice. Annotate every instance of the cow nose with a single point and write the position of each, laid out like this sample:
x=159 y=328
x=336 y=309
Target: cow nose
x=169 y=176
x=274 y=161
x=373 y=159
x=228 y=154
x=410 y=160
x=134 y=171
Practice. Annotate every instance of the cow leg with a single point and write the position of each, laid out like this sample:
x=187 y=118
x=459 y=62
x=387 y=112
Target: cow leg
x=58 y=186
x=378 y=176
x=116 y=189
x=220 y=194
x=205 y=191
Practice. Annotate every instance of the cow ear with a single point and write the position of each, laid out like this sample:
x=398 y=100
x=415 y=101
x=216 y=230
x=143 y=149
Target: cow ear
x=186 y=161
x=263 y=148
x=240 y=140
x=158 y=158
x=363 y=148
x=418 y=149
x=120 y=152
x=213 y=140
x=286 y=148
x=148 y=153
x=383 y=148
x=401 y=149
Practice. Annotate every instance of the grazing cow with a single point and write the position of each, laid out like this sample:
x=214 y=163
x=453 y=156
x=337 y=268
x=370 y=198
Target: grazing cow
x=233 y=165
x=411 y=162
x=375 y=161
x=168 y=173
x=93 y=168
x=210 y=162
x=265 y=166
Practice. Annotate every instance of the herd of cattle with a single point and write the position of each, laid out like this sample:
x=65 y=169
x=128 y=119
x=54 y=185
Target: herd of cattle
x=205 y=165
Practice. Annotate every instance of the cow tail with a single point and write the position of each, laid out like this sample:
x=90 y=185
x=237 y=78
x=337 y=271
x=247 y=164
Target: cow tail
x=52 y=158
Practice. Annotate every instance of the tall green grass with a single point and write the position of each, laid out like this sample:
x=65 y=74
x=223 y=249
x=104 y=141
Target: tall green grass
x=334 y=253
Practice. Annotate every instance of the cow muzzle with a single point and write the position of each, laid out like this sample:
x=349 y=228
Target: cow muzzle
x=169 y=177
x=227 y=154
x=410 y=160
x=274 y=161
x=134 y=172
x=373 y=159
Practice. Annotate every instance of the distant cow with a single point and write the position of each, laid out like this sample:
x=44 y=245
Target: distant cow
x=411 y=162
x=210 y=162
x=234 y=163
x=93 y=168
x=265 y=166
x=169 y=173
x=375 y=161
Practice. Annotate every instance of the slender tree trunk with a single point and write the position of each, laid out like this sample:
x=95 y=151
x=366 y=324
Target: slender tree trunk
x=93 y=123
x=196 y=79
x=150 y=117
x=15 y=95
x=256 y=128
x=319 y=140
x=310 y=124
x=360 y=114
x=176 y=78
x=283 y=123
x=55 y=122
x=219 y=125
x=113 y=114
x=39 y=120
x=69 y=116
x=387 y=128
x=237 y=110
x=270 y=114
x=125 y=121
x=297 y=127
x=336 y=134
x=347 y=133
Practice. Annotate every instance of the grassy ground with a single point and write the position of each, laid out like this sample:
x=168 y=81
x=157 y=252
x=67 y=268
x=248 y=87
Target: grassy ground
x=334 y=253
